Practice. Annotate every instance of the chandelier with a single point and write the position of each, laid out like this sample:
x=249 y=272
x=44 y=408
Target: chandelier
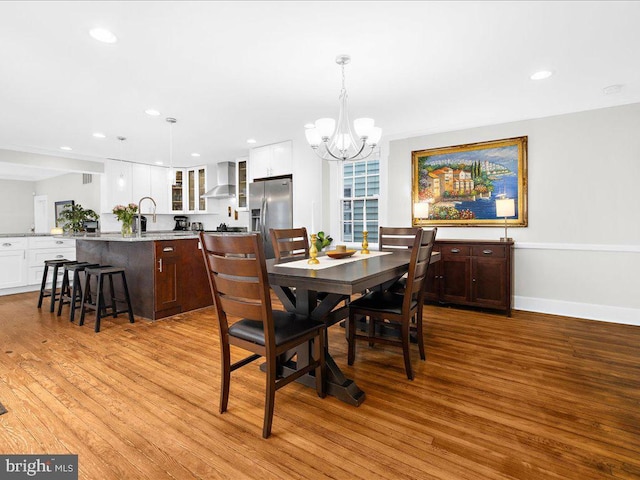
x=340 y=143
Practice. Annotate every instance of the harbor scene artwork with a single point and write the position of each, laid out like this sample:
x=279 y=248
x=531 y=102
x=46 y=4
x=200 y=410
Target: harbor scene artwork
x=460 y=184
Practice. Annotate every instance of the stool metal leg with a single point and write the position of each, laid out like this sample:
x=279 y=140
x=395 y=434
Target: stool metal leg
x=64 y=290
x=54 y=287
x=114 y=305
x=76 y=294
x=86 y=298
x=43 y=285
x=99 y=302
x=127 y=298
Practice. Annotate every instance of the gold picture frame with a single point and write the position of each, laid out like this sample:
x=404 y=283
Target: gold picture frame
x=460 y=184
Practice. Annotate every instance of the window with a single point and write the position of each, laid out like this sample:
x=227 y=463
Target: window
x=361 y=187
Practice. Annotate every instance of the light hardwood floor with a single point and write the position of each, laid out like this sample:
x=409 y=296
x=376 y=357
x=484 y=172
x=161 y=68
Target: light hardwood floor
x=528 y=397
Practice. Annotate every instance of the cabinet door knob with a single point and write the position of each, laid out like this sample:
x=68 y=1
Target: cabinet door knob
x=455 y=250
x=487 y=252
x=474 y=280
x=6 y=244
x=59 y=256
x=59 y=242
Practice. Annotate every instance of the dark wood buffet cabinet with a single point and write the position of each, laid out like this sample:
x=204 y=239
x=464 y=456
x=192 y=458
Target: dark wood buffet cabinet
x=475 y=273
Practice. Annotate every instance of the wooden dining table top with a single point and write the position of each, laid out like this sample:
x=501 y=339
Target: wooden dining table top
x=344 y=278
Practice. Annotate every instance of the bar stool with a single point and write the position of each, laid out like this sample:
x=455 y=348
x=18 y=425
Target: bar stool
x=71 y=291
x=53 y=291
x=100 y=306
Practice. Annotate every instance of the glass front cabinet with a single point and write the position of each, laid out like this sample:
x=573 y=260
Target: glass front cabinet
x=187 y=188
x=177 y=191
x=242 y=185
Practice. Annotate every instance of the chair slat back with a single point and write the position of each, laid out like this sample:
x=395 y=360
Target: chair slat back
x=392 y=239
x=238 y=278
x=290 y=242
x=419 y=265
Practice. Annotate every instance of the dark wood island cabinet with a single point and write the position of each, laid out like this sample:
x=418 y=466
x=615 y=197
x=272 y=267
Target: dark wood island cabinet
x=475 y=273
x=165 y=276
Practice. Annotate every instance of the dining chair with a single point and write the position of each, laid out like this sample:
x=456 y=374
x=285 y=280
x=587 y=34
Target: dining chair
x=240 y=288
x=289 y=242
x=392 y=239
x=395 y=309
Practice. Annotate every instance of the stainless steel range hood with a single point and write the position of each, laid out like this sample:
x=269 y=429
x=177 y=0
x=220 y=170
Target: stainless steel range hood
x=225 y=181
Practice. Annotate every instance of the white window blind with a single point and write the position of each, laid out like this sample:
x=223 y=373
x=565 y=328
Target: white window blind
x=359 y=203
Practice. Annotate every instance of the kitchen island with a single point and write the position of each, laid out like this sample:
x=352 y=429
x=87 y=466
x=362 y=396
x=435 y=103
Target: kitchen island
x=165 y=271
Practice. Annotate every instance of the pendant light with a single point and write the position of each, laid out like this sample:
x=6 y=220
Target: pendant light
x=121 y=179
x=171 y=121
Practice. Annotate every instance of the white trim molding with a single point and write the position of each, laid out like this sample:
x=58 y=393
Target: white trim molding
x=583 y=247
x=604 y=313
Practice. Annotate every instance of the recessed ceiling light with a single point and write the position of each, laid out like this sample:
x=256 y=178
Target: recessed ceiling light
x=194 y=154
x=159 y=162
x=310 y=125
x=251 y=140
x=541 y=75
x=99 y=135
x=66 y=148
x=152 y=112
x=103 y=35
x=611 y=89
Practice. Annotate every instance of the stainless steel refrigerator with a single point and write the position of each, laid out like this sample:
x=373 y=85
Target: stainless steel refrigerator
x=271 y=206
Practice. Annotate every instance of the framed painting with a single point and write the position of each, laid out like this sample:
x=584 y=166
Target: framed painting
x=459 y=185
x=59 y=206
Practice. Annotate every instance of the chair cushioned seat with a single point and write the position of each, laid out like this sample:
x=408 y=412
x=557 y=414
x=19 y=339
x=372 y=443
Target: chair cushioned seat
x=385 y=302
x=287 y=326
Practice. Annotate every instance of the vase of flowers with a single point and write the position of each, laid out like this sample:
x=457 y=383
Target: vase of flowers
x=126 y=214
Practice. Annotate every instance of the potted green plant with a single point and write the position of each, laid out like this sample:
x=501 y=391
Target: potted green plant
x=323 y=240
x=73 y=218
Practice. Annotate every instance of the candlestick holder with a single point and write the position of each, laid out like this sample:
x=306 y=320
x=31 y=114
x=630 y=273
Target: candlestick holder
x=365 y=243
x=313 y=251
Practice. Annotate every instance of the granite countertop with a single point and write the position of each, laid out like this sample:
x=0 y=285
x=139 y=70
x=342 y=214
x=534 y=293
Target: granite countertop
x=6 y=235
x=117 y=236
x=145 y=237
x=114 y=236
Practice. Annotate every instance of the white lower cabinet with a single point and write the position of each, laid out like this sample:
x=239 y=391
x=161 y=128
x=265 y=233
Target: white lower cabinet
x=22 y=261
x=47 y=248
x=13 y=263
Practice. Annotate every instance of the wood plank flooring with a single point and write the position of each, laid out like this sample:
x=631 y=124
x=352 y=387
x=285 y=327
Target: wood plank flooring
x=528 y=397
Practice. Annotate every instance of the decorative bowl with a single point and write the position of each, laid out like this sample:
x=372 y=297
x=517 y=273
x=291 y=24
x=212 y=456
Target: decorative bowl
x=337 y=254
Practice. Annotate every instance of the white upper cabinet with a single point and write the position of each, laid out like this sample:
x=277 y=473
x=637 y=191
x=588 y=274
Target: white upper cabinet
x=117 y=184
x=160 y=188
x=271 y=160
x=127 y=182
x=141 y=184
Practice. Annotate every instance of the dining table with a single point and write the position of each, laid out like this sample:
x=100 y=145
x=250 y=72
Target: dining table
x=323 y=291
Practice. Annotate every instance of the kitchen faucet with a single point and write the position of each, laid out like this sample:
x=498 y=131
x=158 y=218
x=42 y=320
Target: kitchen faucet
x=139 y=233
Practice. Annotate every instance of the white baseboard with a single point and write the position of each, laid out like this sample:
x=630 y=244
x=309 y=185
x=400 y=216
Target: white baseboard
x=24 y=289
x=589 y=311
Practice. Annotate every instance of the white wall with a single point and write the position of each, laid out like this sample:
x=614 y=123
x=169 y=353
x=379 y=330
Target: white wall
x=580 y=254
x=16 y=206
x=69 y=187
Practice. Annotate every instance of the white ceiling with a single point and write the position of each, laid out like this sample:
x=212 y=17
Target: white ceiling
x=233 y=70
